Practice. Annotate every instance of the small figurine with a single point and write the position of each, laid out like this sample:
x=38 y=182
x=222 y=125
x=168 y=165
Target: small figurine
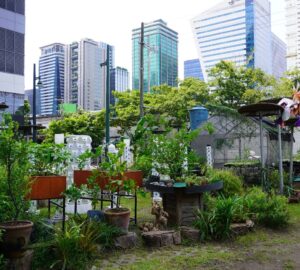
x=161 y=216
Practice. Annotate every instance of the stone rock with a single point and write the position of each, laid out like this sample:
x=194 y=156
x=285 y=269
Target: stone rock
x=190 y=233
x=161 y=238
x=242 y=228
x=177 y=238
x=126 y=241
x=166 y=239
x=22 y=263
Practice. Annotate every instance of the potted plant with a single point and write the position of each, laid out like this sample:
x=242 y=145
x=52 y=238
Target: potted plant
x=114 y=169
x=14 y=189
x=49 y=163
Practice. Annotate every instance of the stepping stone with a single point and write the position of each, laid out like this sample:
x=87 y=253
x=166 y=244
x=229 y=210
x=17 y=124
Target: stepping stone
x=190 y=233
x=126 y=241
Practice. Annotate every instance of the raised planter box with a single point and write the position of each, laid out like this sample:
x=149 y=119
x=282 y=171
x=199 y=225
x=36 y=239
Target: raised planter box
x=47 y=187
x=81 y=176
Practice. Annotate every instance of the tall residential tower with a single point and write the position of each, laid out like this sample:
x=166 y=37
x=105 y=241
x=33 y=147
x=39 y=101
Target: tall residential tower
x=85 y=79
x=160 y=55
x=12 y=33
x=51 y=72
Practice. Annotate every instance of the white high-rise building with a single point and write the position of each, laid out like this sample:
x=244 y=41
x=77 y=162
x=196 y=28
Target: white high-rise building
x=85 y=79
x=51 y=70
x=12 y=34
x=119 y=81
x=235 y=30
x=293 y=33
x=278 y=56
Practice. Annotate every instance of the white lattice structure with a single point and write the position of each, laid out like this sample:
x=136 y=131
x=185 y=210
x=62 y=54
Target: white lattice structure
x=78 y=144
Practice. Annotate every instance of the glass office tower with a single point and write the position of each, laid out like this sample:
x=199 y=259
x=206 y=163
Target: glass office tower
x=192 y=69
x=237 y=31
x=160 y=55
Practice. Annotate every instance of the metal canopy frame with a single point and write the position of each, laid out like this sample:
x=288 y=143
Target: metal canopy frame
x=261 y=110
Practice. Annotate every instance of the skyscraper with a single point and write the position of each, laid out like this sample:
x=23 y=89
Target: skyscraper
x=292 y=33
x=12 y=33
x=160 y=55
x=193 y=69
x=279 y=61
x=235 y=30
x=51 y=70
x=119 y=81
x=85 y=79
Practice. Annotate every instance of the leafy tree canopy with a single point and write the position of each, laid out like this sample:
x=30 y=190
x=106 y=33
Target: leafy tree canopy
x=232 y=85
x=82 y=123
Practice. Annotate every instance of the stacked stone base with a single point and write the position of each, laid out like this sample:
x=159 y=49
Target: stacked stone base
x=161 y=238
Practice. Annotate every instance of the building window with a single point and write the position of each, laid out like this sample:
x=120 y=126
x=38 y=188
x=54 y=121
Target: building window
x=11 y=52
x=17 y=6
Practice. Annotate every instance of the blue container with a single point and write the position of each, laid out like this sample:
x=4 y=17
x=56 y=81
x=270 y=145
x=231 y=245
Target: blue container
x=95 y=215
x=198 y=115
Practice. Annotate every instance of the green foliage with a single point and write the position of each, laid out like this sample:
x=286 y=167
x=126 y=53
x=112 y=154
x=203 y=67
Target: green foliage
x=169 y=153
x=273 y=179
x=232 y=184
x=83 y=158
x=268 y=210
x=75 y=247
x=106 y=234
x=81 y=123
x=92 y=189
x=233 y=85
x=215 y=222
x=73 y=193
x=170 y=102
x=14 y=168
x=193 y=179
x=42 y=231
x=49 y=159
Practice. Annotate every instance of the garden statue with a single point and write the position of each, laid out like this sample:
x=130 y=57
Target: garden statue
x=161 y=216
x=161 y=219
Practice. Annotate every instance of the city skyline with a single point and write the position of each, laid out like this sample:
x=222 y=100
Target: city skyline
x=86 y=20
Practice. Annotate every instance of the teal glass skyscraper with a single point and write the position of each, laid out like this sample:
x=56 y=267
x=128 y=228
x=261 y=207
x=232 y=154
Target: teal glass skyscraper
x=160 y=55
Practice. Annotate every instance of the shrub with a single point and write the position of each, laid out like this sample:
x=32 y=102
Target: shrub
x=273 y=179
x=76 y=246
x=106 y=234
x=215 y=223
x=268 y=210
x=233 y=184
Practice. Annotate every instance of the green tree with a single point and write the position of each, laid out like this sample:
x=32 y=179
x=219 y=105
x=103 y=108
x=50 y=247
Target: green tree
x=231 y=84
x=82 y=123
x=171 y=102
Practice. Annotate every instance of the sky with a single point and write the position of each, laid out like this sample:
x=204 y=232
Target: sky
x=112 y=21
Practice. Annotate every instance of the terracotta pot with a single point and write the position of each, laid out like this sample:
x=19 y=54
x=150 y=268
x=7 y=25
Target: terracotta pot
x=47 y=187
x=118 y=217
x=15 y=237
